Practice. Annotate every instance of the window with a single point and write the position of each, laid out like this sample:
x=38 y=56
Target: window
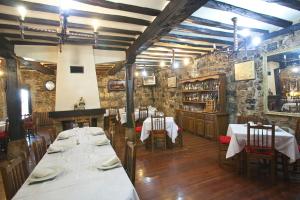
x=25 y=102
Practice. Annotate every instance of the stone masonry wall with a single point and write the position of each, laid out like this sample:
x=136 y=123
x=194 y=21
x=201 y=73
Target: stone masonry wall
x=243 y=97
x=3 y=107
x=42 y=99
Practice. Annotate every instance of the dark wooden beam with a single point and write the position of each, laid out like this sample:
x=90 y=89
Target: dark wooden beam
x=6 y=48
x=216 y=24
x=164 y=55
x=189 y=44
x=248 y=13
x=122 y=6
x=78 y=13
x=109 y=48
x=117 y=67
x=203 y=39
x=205 y=31
x=130 y=68
x=35 y=66
x=289 y=30
x=13 y=100
x=170 y=51
x=48 y=22
x=24 y=42
x=68 y=41
x=294 y=4
x=173 y=14
x=181 y=47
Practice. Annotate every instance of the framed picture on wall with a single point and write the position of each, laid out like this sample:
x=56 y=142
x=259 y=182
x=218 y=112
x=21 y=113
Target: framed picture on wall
x=149 y=80
x=244 y=71
x=116 y=85
x=172 y=82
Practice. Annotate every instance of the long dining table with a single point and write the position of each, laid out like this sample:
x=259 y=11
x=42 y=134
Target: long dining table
x=80 y=178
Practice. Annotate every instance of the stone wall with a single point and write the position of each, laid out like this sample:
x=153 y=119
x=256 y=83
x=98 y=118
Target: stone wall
x=142 y=94
x=42 y=99
x=3 y=106
x=243 y=97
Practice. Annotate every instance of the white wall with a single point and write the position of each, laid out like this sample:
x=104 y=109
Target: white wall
x=71 y=86
x=38 y=53
x=104 y=56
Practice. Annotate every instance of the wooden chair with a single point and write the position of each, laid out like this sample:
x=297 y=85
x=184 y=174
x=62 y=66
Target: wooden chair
x=14 y=174
x=53 y=135
x=143 y=114
x=158 y=130
x=39 y=148
x=130 y=159
x=111 y=135
x=223 y=147
x=29 y=126
x=4 y=137
x=261 y=146
x=19 y=148
x=137 y=129
x=112 y=115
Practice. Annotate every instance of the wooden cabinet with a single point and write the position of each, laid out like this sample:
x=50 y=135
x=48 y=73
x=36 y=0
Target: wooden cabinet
x=208 y=125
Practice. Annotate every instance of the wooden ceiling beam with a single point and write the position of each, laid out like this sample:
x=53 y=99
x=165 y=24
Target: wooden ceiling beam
x=172 y=15
x=110 y=48
x=205 y=31
x=118 y=66
x=294 y=4
x=248 y=13
x=48 y=22
x=164 y=55
x=203 y=39
x=189 y=44
x=24 y=42
x=122 y=6
x=78 y=13
x=170 y=51
x=68 y=41
x=216 y=24
x=182 y=48
x=35 y=66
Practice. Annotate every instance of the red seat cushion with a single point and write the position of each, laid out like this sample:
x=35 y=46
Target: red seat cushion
x=180 y=129
x=138 y=129
x=224 y=139
x=3 y=134
x=262 y=151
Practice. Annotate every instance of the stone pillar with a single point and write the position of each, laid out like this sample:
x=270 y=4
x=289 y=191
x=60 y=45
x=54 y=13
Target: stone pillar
x=13 y=100
x=129 y=93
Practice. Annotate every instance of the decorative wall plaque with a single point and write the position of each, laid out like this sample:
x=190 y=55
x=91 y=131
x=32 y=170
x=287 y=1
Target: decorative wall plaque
x=244 y=71
x=172 y=82
x=116 y=85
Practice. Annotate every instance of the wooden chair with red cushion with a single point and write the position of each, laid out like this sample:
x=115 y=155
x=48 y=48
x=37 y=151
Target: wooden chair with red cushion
x=223 y=146
x=158 y=130
x=137 y=129
x=4 y=138
x=29 y=126
x=261 y=146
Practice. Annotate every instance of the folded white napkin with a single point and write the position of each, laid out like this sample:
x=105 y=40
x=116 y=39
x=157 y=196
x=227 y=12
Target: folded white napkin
x=102 y=141
x=55 y=148
x=111 y=161
x=64 y=135
x=42 y=172
x=97 y=132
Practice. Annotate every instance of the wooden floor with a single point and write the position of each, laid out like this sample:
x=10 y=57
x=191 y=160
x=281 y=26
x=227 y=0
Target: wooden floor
x=192 y=172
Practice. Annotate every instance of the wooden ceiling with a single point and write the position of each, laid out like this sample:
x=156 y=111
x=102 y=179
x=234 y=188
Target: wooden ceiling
x=123 y=22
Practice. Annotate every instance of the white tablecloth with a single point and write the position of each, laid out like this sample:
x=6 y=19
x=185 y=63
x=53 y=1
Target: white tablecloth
x=284 y=142
x=289 y=107
x=2 y=125
x=81 y=179
x=171 y=128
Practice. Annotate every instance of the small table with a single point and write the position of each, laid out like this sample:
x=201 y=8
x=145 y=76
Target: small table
x=285 y=142
x=171 y=128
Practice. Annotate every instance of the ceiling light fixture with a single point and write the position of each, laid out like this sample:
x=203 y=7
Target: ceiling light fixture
x=186 y=61
x=162 y=64
x=144 y=73
x=22 y=11
x=256 y=41
x=95 y=24
x=245 y=33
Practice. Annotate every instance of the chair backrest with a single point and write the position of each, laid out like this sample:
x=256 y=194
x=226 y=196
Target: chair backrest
x=14 y=175
x=143 y=113
x=111 y=135
x=130 y=159
x=260 y=137
x=297 y=131
x=42 y=119
x=53 y=134
x=39 y=147
x=158 y=123
x=6 y=126
x=16 y=148
x=133 y=119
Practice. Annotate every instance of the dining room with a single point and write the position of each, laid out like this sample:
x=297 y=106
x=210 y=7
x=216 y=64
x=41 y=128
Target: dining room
x=149 y=99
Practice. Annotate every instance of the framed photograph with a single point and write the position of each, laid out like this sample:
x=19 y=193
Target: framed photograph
x=116 y=85
x=149 y=80
x=172 y=82
x=244 y=71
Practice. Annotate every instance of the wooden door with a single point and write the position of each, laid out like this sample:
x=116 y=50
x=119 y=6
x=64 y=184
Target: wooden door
x=200 y=127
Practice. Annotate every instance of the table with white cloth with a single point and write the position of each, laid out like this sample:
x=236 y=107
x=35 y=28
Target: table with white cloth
x=80 y=178
x=2 y=125
x=151 y=112
x=171 y=128
x=285 y=142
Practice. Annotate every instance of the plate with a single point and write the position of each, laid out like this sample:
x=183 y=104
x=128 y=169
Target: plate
x=109 y=167
x=104 y=143
x=57 y=171
x=55 y=151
